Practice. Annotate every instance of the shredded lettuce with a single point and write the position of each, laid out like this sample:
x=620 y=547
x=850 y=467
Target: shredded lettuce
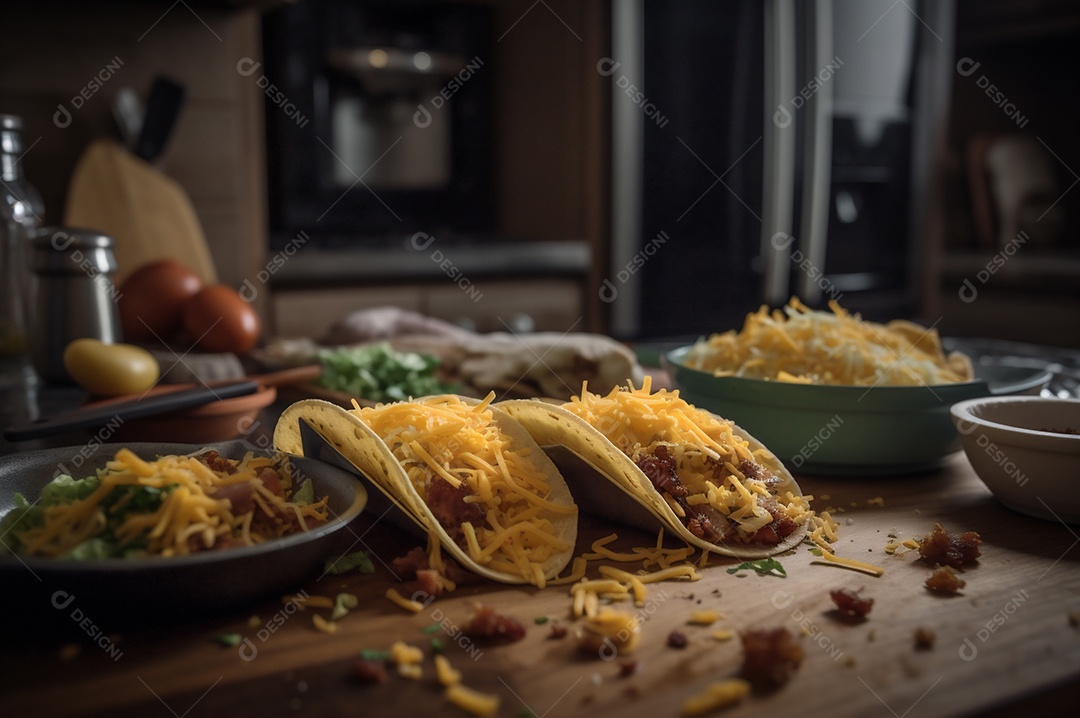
x=93 y=549
x=66 y=490
x=358 y=560
x=304 y=494
x=63 y=490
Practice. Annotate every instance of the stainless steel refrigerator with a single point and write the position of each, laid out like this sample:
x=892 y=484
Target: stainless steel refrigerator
x=769 y=149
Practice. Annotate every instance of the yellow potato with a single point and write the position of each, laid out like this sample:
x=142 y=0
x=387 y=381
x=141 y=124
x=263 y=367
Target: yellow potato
x=110 y=369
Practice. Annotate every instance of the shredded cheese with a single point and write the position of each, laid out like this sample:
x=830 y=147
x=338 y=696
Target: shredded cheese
x=801 y=345
x=402 y=653
x=577 y=572
x=717 y=696
x=412 y=671
x=853 y=564
x=444 y=438
x=446 y=674
x=303 y=601
x=709 y=457
x=406 y=603
x=475 y=702
x=704 y=618
x=322 y=624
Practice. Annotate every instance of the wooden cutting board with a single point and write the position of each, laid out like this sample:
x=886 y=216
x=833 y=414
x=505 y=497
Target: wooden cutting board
x=148 y=214
x=1014 y=612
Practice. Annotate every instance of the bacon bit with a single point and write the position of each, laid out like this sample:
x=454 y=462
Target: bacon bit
x=557 y=632
x=491 y=626
x=241 y=497
x=628 y=668
x=271 y=480
x=956 y=550
x=369 y=672
x=924 y=639
x=850 y=604
x=677 y=639
x=770 y=658
x=416 y=560
x=945 y=581
x=702 y=520
x=217 y=462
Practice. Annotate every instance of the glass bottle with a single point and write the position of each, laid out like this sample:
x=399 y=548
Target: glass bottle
x=21 y=211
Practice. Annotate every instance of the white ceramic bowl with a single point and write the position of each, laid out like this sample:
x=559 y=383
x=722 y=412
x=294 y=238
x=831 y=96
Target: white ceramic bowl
x=1013 y=445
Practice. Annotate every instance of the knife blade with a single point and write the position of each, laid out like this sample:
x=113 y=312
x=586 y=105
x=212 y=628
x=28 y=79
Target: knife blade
x=93 y=417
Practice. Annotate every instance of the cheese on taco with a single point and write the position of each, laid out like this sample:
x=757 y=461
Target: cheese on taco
x=461 y=468
x=706 y=479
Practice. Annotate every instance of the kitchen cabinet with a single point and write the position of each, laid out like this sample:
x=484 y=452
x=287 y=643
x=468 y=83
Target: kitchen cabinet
x=1005 y=245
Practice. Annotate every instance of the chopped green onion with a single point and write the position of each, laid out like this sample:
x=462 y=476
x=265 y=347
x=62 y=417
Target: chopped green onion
x=375 y=654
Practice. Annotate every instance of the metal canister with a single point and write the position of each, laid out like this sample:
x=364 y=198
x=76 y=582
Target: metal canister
x=75 y=295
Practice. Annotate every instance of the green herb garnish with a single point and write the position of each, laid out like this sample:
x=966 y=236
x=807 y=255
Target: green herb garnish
x=375 y=654
x=229 y=639
x=540 y=620
x=764 y=567
x=436 y=645
x=344 y=603
x=433 y=628
x=358 y=560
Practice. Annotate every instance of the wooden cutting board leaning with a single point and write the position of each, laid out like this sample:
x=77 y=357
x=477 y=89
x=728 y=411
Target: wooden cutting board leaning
x=148 y=214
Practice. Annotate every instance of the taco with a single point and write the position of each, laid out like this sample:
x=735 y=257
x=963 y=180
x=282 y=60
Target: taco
x=461 y=469
x=703 y=477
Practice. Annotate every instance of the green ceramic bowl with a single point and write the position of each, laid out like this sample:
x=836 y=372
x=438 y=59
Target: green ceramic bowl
x=847 y=430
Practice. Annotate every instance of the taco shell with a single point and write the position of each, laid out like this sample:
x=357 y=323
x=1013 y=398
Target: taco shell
x=366 y=450
x=597 y=460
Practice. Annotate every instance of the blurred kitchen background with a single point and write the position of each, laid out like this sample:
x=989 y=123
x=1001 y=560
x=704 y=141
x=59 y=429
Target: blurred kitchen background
x=647 y=170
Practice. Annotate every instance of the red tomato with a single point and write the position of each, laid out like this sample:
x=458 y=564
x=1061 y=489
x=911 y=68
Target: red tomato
x=220 y=321
x=152 y=300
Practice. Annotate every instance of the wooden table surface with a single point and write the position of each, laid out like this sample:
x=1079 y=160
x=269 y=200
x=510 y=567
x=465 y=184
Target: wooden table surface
x=1005 y=644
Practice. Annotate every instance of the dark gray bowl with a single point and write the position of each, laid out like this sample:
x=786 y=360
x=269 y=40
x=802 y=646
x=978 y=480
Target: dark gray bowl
x=116 y=590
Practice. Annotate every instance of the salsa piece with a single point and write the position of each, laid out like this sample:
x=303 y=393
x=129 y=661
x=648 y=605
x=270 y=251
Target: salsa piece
x=850 y=604
x=369 y=672
x=489 y=625
x=770 y=658
x=450 y=508
x=955 y=550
